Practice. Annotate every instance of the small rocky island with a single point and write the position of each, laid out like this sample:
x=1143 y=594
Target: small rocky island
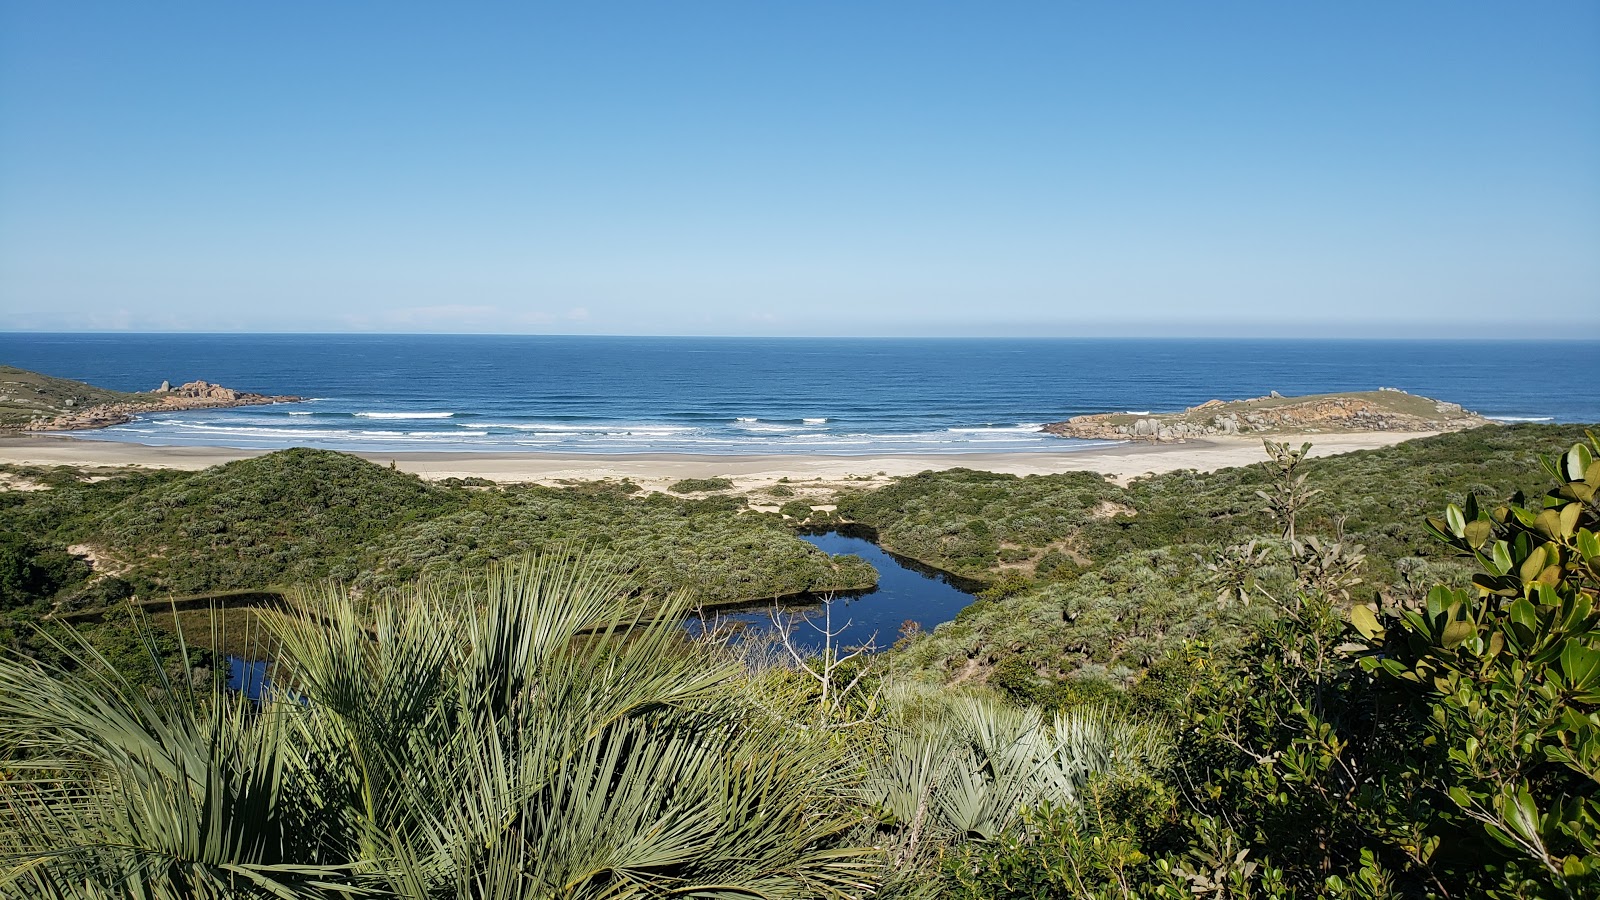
x=1386 y=409
x=30 y=401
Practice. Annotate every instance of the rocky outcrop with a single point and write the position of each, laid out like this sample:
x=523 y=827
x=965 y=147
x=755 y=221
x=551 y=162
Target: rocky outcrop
x=1386 y=409
x=199 y=390
x=193 y=395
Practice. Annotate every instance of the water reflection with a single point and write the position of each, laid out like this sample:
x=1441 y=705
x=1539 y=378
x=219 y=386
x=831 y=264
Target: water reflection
x=249 y=677
x=908 y=595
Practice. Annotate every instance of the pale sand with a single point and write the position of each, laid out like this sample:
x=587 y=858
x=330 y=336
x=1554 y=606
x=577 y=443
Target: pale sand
x=656 y=470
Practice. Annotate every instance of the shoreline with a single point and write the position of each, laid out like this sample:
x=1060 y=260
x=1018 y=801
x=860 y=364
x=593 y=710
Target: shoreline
x=748 y=472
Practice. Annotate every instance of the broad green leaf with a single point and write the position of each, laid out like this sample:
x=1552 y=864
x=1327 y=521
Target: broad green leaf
x=1479 y=532
x=1580 y=666
x=1588 y=544
x=1440 y=598
x=1533 y=565
x=1520 y=813
x=1578 y=461
x=1366 y=622
x=1497 y=644
x=1457 y=632
x=1523 y=613
x=1502 y=557
x=1569 y=518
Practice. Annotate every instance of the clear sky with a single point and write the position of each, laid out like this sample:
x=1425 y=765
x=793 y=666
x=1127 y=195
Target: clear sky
x=854 y=168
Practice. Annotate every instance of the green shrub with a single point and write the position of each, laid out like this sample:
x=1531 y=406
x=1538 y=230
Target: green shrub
x=796 y=509
x=700 y=485
x=31 y=572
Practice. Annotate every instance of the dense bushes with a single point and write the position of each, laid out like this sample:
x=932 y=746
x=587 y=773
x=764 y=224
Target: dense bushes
x=700 y=485
x=707 y=548
x=31 y=572
x=305 y=515
x=1446 y=746
x=961 y=520
x=1145 y=549
x=277 y=519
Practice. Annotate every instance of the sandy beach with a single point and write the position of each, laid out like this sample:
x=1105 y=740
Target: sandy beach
x=749 y=472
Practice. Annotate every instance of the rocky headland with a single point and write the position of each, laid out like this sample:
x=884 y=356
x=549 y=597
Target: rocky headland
x=58 y=404
x=1386 y=409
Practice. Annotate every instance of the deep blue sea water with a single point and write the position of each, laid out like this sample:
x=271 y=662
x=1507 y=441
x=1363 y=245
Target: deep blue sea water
x=753 y=395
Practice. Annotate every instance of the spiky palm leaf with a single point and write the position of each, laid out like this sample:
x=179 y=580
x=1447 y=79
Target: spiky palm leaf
x=108 y=790
x=578 y=747
x=965 y=768
x=537 y=733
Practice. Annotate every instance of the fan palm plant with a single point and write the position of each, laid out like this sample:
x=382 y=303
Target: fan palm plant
x=534 y=733
x=109 y=790
x=953 y=769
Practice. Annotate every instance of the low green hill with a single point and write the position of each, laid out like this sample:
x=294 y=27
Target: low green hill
x=304 y=515
x=277 y=519
x=26 y=395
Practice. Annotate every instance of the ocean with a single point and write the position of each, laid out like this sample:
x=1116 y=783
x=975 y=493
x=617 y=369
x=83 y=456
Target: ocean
x=569 y=394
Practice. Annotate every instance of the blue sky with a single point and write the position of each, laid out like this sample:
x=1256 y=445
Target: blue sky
x=1217 y=168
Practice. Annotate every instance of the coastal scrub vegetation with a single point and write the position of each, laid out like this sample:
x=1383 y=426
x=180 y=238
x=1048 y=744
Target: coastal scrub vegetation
x=700 y=485
x=304 y=515
x=1162 y=694
x=25 y=396
x=1100 y=581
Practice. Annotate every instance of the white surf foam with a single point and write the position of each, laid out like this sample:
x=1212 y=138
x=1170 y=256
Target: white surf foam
x=1031 y=428
x=404 y=415
x=596 y=429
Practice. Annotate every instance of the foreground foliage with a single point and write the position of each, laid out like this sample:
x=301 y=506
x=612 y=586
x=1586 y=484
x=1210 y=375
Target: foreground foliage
x=1442 y=746
x=541 y=739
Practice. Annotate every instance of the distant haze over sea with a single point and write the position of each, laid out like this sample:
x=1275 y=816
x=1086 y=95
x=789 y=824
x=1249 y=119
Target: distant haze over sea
x=763 y=395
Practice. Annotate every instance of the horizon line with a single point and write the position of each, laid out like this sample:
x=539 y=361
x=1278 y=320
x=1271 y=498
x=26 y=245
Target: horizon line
x=844 y=337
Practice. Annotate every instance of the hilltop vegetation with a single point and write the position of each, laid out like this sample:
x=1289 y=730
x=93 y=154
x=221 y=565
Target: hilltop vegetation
x=26 y=395
x=1353 y=411
x=283 y=518
x=302 y=515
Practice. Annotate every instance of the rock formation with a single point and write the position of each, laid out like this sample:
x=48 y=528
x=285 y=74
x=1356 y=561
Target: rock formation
x=193 y=395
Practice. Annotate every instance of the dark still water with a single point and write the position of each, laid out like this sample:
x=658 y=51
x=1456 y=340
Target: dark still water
x=906 y=593
x=763 y=395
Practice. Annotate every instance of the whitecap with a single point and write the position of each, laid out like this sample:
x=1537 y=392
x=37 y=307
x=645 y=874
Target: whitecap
x=404 y=415
x=1521 y=418
x=818 y=421
x=1029 y=429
